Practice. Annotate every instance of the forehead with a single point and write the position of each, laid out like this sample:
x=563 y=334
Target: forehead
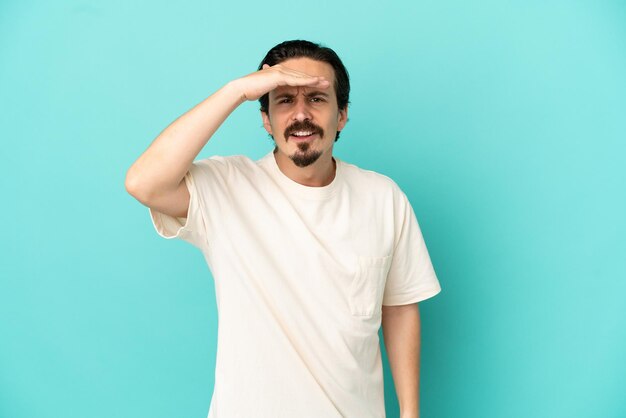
x=311 y=67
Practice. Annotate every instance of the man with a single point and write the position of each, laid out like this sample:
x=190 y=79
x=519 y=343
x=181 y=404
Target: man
x=309 y=254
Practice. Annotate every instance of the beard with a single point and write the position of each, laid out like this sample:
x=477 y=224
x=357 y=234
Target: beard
x=305 y=156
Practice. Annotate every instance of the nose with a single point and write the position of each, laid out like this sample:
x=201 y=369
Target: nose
x=301 y=109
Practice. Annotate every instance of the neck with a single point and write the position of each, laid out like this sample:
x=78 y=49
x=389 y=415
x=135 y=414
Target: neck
x=320 y=173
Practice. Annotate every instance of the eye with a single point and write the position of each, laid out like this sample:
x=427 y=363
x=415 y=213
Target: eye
x=284 y=101
x=317 y=99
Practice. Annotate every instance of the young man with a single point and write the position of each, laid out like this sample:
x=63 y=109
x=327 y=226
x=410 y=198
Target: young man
x=310 y=254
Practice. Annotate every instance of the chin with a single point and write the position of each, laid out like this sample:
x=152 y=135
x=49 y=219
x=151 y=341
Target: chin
x=305 y=159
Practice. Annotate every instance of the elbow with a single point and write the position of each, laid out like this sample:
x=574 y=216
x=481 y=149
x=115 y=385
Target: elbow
x=134 y=188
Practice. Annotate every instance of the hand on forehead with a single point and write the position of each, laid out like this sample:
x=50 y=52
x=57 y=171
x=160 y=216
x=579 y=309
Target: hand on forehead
x=310 y=67
x=297 y=90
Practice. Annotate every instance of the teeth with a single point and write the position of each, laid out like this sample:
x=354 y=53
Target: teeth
x=302 y=133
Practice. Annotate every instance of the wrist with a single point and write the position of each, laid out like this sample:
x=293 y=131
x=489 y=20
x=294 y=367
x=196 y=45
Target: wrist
x=409 y=413
x=233 y=88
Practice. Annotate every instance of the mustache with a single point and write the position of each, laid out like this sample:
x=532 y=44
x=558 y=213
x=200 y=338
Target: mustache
x=304 y=125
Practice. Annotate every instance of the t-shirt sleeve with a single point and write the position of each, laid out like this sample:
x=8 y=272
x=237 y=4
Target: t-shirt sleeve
x=201 y=181
x=411 y=276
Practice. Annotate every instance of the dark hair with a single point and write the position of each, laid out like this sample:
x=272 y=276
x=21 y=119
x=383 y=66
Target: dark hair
x=300 y=48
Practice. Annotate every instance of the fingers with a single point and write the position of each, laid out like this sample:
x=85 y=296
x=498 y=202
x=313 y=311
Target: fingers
x=321 y=82
x=292 y=77
x=302 y=79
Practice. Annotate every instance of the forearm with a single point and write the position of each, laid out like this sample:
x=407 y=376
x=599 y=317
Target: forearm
x=164 y=164
x=401 y=333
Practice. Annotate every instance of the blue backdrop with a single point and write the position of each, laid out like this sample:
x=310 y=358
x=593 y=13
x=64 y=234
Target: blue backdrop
x=504 y=122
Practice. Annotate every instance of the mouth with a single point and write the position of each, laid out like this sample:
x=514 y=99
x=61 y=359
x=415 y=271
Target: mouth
x=302 y=136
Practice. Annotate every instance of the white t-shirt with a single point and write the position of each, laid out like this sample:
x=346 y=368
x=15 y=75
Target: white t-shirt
x=300 y=275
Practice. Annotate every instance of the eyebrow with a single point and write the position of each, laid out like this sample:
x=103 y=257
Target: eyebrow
x=291 y=96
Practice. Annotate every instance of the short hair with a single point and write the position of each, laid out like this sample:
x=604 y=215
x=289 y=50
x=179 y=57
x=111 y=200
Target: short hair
x=300 y=48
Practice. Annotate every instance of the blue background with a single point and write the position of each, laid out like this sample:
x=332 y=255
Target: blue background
x=503 y=121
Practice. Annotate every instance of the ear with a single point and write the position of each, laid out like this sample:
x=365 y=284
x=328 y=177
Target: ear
x=266 y=122
x=342 y=119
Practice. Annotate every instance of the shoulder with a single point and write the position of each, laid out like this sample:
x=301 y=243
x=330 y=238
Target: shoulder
x=371 y=180
x=225 y=165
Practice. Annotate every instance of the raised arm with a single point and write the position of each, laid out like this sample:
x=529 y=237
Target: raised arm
x=156 y=178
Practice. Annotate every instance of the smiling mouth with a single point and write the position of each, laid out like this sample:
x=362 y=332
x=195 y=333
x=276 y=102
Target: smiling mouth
x=302 y=135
